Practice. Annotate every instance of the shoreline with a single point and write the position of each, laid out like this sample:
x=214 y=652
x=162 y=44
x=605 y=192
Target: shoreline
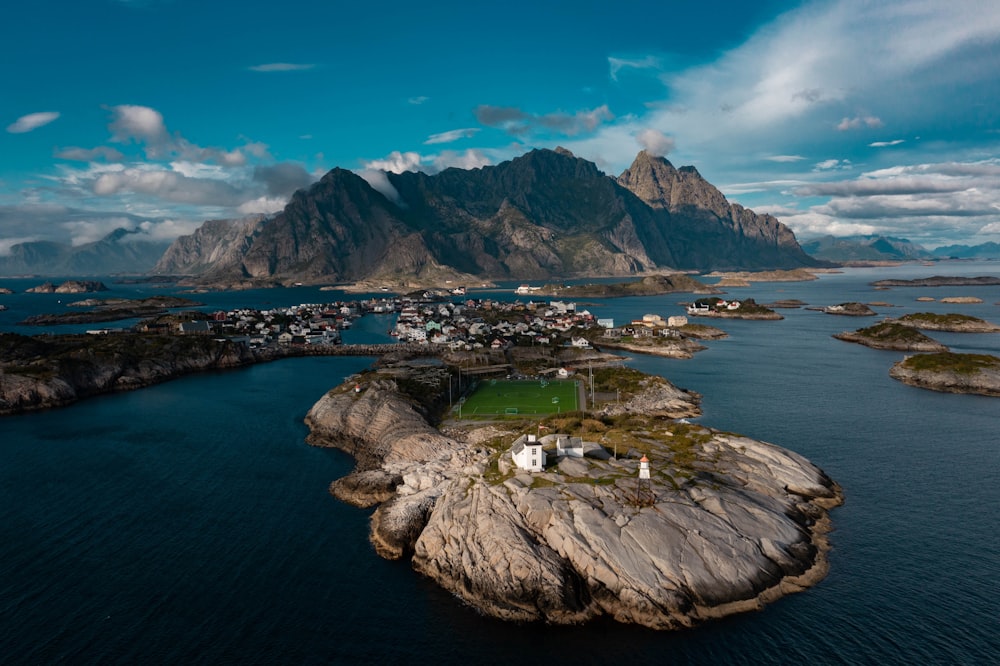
x=439 y=504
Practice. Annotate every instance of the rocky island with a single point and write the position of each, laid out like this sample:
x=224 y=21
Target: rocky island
x=940 y=281
x=894 y=336
x=722 y=309
x=950 y=373
x=849 y=310
x=951 y=322
x=651 y=285
x=68 y=287
x=746 y=278
x=111 y=309
x=724 y=524
x=39 y=372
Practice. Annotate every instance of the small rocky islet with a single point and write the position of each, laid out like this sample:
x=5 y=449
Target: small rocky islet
x=937 y=368
x=725 y=525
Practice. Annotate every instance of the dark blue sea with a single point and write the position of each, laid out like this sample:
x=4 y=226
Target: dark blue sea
x=190 y=522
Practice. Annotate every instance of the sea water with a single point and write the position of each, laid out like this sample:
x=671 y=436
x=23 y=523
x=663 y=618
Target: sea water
x=189 y=522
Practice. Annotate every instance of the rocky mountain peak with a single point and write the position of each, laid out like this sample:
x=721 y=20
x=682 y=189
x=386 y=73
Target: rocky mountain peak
x=656 y=181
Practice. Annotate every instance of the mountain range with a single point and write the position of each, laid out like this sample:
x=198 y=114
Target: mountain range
x=544 y=214
x=121 y=251
x=875 y=247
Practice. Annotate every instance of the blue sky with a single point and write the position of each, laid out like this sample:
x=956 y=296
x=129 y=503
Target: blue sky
x=837 y=116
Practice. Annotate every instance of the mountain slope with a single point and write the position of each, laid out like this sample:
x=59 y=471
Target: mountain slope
x=864 y=248
x=121 y=251
x=544 y=214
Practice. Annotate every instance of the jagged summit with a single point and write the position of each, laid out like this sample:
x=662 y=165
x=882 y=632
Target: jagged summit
x=544 y=214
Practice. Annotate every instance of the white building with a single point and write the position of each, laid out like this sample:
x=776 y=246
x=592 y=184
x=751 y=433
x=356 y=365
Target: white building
x=528 y=454
x=571 y=447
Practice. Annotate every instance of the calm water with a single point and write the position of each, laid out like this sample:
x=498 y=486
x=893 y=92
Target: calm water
x=190 y=523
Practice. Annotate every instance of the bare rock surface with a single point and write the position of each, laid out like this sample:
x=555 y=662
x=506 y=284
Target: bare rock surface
x=726 y=524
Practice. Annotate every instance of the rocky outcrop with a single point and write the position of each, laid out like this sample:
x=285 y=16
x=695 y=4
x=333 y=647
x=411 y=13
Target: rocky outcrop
x=650 y=285
x=656 y=346
x=103 y=310
x=726 y=524
x=950 y=373
x=215 y=245
x=849 y=310
x=941 y=281
x=68 y=287
x=892 y=335
x=702 y=222
x=53 y=371
x=952 y=322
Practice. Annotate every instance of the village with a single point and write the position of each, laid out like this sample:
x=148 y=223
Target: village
x=425 y=318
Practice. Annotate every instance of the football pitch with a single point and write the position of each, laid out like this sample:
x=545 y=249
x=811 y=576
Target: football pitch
x=522 y=396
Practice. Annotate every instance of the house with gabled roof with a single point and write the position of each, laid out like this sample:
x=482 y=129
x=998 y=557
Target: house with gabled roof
x=528 y=454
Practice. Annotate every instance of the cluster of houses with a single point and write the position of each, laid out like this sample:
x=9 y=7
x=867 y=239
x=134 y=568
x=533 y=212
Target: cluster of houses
x=468 y=325
x=702 y=307
x=651 y=325
x=304 y=324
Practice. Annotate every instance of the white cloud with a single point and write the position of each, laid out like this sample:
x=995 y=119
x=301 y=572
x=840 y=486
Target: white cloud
x=930 y=202
x=467 y=159
x=7 y=243
x=397 y=162
x=451 y=135
x=141 y=124
x=418 y=100
x=859 y=122
x=131 y=122
x=655 y=142
x=264 y=205
x=380 y=183
x=282 y=67
x=785 y=158
x=169 y=229
x=517 y=122
x=90 y=154
x=616 y=65
x=32 y=121
x=828 y=165
x=83 y=231
x=886 y=144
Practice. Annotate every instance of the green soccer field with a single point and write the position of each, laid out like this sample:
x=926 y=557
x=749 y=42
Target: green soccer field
x=527 y=396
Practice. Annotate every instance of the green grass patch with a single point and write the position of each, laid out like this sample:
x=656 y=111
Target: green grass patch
x=963 y=364
x=939 y=319
x=518 y=398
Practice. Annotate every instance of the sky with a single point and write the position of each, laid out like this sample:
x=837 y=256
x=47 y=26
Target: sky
x=838 y=117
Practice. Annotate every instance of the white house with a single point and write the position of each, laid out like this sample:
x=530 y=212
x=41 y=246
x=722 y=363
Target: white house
x=677 y=321
x=528 y=454
x=571 y=447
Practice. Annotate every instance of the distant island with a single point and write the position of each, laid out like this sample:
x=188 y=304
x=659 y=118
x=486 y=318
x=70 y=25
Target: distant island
x=68 y=287
x=952 y=322
x=723 y=309
x=951 y=373
x=746 y=278
x=112 y=309
x=894 y=336
x=651 y=285
x=940 y=281
x=849 y=310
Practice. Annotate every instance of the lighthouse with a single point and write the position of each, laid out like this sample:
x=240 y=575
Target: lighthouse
x=643 y=491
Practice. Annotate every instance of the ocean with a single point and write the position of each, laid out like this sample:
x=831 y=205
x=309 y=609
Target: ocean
x=189 y=522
